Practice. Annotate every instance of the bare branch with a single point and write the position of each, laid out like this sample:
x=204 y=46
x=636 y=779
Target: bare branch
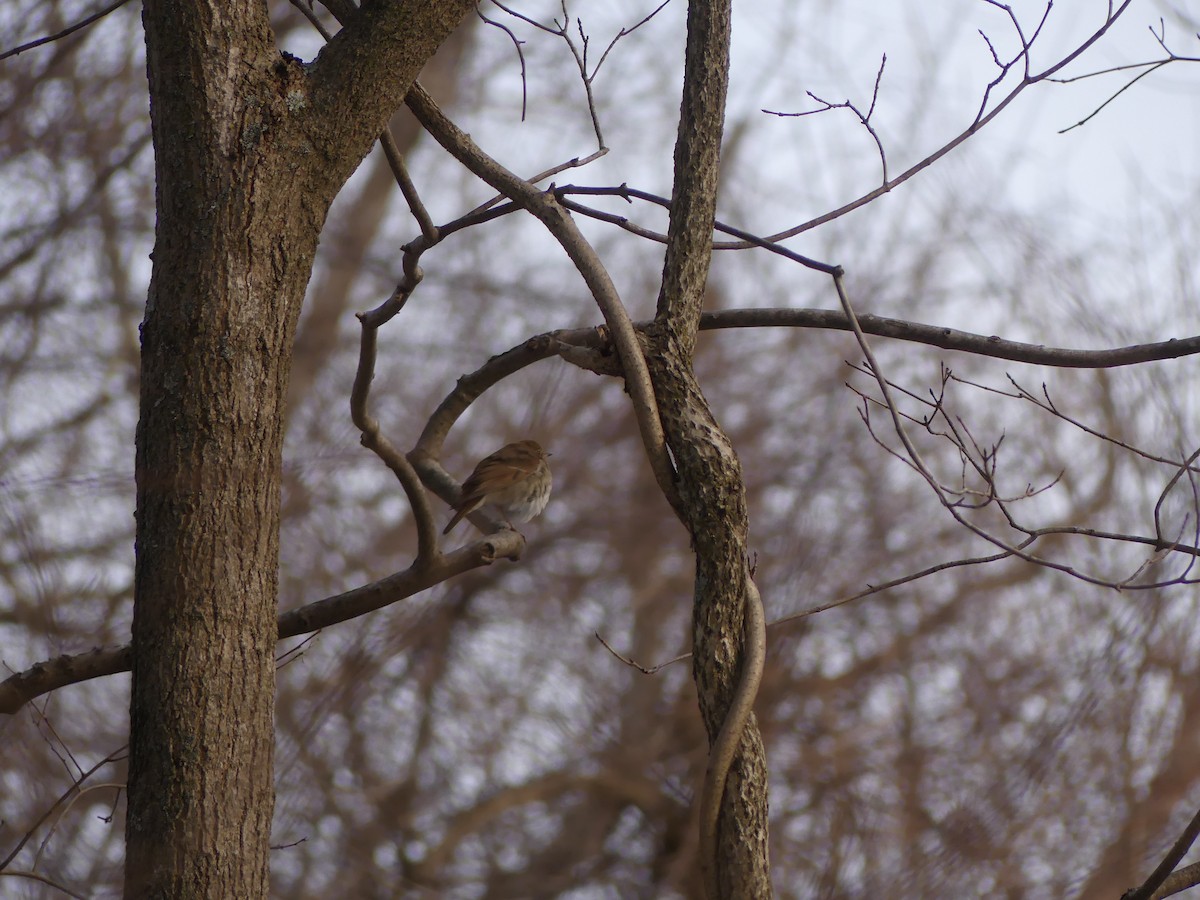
x=863 y=118
x=61 y=801
x=563 y=228
x=1160 y=874
x=43 y=677
x=520 y=53
x=953 y=339
x=373 y=438
x=945 y=495
x=83 y=23
x=1179 y=881
x=1149 y=66
x=624 y=32
x=400 y=170
x=626 y=192
x=563 y=30
x=1099 y=109
x=979 y=122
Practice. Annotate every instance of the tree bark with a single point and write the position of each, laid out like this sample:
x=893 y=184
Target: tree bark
x=711 y=488
x=250 y=149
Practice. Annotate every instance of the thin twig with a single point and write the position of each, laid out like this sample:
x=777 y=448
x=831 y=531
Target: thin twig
x=516 y=42
x=83 y=23
x=400 y=172
x=70 y=792
x=373 y=438
x=1178 y=850
x=863 y=118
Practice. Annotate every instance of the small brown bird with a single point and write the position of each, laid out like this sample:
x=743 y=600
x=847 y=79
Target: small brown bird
x=515 y=478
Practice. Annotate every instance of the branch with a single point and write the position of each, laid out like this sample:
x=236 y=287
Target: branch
x=372 y=437
x=43 y=677
x=957 y=500
x=1149 y=66
x=83 y=23
x=1164 y=869
x=559 y=223
x=590 y=348
x=952 y=339
x=863 y=118
x=1179 y=881
x=729 y=739
x=746 y=241
x=980 y=121
x=66 y=796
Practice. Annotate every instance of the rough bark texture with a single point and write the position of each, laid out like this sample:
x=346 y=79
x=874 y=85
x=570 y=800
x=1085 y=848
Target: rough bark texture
x=249 y=156
x=714 y=498
x=710 y=476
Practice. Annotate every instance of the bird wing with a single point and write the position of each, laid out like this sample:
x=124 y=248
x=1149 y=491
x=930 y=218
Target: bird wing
x=492 y=475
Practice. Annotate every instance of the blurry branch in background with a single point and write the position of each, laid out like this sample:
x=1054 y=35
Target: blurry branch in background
x=56 y=810
x=34 y=876
x=1148 y=68
x=66 y=32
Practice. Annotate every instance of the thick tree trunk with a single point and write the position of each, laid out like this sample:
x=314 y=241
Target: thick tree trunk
x=232 y=257
x=250 y=149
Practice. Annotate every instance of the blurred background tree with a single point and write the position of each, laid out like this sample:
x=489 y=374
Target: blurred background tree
x=1005 y=729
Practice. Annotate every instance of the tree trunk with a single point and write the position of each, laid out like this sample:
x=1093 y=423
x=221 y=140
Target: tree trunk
x=711 y=489
x=250 y=149
x=714 y=500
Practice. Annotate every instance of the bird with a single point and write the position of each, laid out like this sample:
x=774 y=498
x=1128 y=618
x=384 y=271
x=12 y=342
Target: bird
x=515 y=478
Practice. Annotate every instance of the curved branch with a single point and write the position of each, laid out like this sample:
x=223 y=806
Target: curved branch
x=559 y=223
x=373 y=439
